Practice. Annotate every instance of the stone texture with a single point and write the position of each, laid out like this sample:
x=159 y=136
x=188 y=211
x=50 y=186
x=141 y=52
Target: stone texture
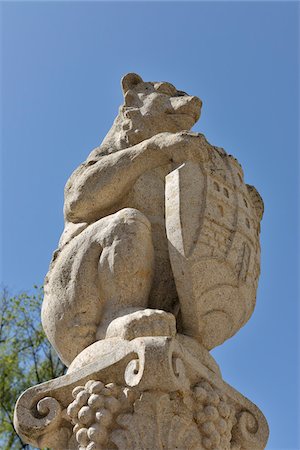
x=158 y=263
x=213 y=235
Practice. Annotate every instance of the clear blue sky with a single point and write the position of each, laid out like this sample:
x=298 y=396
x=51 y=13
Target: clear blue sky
x=61 y=67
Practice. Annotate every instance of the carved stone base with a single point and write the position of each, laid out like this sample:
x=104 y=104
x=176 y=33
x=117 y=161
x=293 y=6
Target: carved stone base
x=149 y=393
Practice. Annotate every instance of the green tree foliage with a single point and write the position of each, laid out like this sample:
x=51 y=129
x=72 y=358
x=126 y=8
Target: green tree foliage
x=26 y=358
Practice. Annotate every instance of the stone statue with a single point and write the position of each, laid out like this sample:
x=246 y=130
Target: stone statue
x=158 y=264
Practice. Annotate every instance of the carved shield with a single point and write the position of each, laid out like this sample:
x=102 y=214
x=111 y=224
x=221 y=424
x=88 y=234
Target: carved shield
x=212 y=227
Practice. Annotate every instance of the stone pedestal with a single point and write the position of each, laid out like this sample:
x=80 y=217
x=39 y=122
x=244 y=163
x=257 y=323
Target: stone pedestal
x=150 y=393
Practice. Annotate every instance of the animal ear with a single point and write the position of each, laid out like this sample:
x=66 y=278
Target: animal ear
x=129 y=81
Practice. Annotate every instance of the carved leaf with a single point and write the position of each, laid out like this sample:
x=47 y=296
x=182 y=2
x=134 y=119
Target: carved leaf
x=157 y=423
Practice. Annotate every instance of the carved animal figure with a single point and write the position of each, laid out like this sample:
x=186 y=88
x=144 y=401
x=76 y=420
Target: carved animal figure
x=113 y=257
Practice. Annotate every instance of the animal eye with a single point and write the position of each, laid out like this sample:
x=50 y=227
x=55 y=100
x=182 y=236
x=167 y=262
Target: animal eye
x=180 y=94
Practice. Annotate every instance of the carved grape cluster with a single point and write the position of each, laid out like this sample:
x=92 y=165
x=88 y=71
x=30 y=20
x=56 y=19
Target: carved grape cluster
x=214 y=416
x=92 y=413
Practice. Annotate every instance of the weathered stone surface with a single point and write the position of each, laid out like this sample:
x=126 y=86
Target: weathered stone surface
x=158 y=263
x=213 y=235
x=161 y=397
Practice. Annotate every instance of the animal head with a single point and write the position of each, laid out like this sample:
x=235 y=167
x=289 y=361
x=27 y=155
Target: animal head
x=155 y=107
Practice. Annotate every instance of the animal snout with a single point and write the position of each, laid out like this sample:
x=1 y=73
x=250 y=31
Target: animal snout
x=190 y=105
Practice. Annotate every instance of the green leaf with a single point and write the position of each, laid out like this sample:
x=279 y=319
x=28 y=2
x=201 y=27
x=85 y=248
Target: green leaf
x=26 y=357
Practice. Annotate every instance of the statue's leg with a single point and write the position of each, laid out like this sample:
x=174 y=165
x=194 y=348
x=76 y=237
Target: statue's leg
x=103 y=271
x=126 y=266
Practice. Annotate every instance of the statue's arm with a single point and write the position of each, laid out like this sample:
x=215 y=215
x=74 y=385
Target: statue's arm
x=98 y=185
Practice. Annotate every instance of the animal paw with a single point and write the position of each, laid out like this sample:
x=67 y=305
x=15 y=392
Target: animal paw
x=146 y=322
